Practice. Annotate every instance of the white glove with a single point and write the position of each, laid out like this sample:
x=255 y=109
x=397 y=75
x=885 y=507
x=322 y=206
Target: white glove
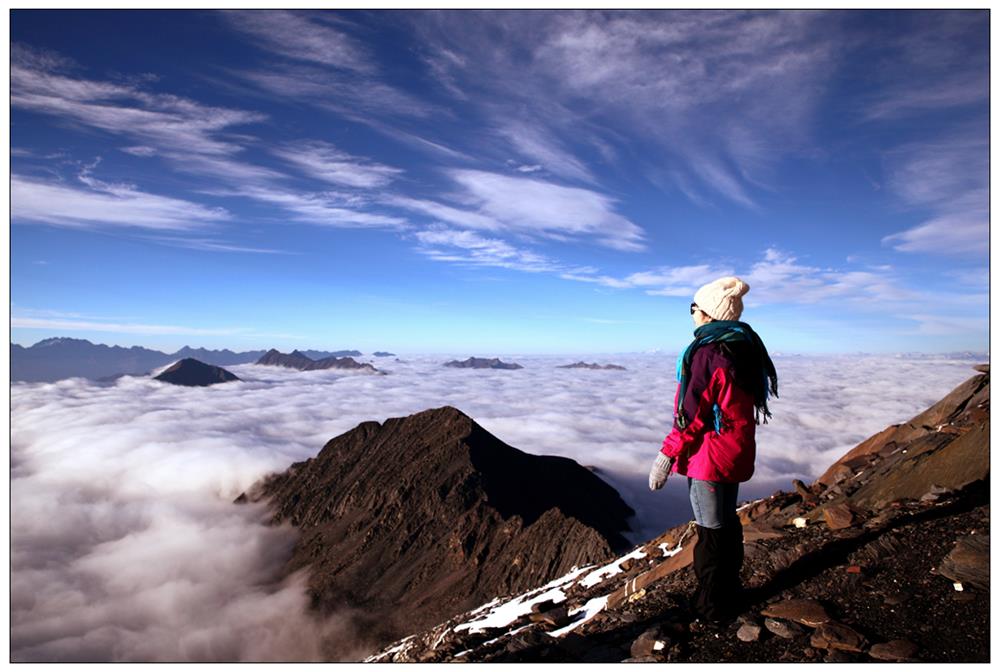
x=660 y=471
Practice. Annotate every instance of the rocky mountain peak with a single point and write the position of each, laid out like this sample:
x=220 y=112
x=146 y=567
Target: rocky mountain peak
x=445 y=514
x=192 y=373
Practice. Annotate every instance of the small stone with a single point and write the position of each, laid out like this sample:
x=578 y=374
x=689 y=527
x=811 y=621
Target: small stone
x=800 y=522
x=895 y=650
x=748 y=632
x=835 y=635
x=783 y=629
x=809 y=652
x=556 y=617
x=646 y=643
x=804 y=611
x=854 y=569
x=838 y=516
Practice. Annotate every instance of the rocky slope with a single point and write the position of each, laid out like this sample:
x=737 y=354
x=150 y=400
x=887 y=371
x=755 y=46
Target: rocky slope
x=885 y=557
x=483 y=363
x=426 y=516
x=192 y=373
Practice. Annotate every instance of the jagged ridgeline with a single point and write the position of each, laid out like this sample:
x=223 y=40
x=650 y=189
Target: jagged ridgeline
x=884 y=557
x=419 y=518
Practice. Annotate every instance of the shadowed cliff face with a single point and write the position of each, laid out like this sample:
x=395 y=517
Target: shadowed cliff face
x=426 y=516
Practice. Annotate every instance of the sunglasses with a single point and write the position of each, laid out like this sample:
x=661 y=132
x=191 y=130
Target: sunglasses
x=694 y=307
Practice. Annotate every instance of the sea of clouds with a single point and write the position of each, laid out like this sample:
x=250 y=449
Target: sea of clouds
x=126 y=545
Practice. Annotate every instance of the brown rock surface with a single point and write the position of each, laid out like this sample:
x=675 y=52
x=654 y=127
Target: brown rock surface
x=969 y=562
x=897 y=650
x=838 y=516
x=806 y=612
x=833 y=635
x=943 y=412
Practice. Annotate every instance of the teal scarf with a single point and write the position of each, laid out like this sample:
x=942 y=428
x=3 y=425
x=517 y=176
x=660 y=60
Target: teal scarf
x=725 y=331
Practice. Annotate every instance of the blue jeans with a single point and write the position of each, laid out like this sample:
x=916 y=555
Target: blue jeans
x=714 y=504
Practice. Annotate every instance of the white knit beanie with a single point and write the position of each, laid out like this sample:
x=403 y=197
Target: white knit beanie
x=721 y=299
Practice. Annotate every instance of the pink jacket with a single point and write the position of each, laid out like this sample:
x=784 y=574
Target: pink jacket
x=718 y=443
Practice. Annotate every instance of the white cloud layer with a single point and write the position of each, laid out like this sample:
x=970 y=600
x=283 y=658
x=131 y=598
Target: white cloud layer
x=125 y=545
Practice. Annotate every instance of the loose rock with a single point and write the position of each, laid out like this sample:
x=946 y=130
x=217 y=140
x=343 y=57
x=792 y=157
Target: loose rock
x=556 y=617
x=748 y=632
x=838 y=516
x=783 y=629
x=838 y=636
x=897 y=650
x=646 y=643
x=969 y=561
x=804 y=611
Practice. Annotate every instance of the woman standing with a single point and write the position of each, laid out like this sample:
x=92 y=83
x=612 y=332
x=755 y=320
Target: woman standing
x=724 y=379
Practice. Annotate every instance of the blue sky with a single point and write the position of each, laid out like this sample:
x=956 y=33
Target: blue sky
x=509 y=182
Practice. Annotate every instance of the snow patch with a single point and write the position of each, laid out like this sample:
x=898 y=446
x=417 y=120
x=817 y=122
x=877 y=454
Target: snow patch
x=591 y=609
x=403 y=644
x=508 y=612
x=610 y=570
x=670 y=552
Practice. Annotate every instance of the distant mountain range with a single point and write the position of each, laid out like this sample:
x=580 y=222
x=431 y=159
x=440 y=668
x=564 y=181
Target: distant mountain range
x=58 y=358
x=595 y=366
x=482 y=363
x=298 y=360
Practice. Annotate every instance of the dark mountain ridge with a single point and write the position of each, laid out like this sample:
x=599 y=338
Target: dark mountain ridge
x=421 y=517
x=298 y=360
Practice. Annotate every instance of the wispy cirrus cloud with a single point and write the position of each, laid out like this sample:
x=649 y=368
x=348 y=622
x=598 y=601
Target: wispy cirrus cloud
x=103 y=205
x=947 y=49
x=536 y=207
x=211 y=245
x=325 y=162
x=323 y=208
x=470 y=248
x=947 y=177
x=352 y=97
x=158 y=120
x=620 y=79
x=302 y=36
x=534 y=144
x=530 y=207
